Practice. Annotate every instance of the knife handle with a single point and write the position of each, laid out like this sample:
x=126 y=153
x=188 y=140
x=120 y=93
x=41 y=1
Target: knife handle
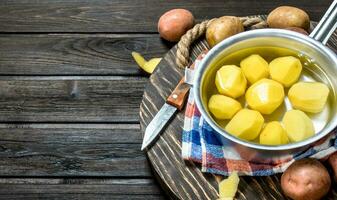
x=178 y=96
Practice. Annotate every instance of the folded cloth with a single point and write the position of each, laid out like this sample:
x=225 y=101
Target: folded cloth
x=200 y=145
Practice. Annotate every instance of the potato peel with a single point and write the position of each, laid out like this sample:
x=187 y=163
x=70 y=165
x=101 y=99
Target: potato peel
x=138 y=58
x=147 y=66
x=150 y=65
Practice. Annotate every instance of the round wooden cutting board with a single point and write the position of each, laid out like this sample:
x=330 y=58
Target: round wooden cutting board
x=182 y=179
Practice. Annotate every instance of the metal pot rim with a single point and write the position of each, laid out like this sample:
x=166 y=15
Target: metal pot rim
x=241 y=37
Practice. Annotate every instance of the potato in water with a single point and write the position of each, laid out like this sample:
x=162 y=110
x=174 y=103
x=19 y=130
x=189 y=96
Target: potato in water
x=255 y=68
x=298 y=125
x=223 y=107
x=273 y=134
x=246 y=124
x=265 y=96
x=230 y=81
x=308 y=96
x=286 y=70
x=263 y=85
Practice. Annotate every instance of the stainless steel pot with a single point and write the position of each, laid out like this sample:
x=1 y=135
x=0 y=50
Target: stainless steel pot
x=323 y=68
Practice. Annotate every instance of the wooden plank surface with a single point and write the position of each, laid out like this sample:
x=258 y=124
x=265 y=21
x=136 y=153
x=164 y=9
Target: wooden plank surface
x=111 y=150
x=70 y=94
x=127 y=15
x=78 y=188
x=76 y=54
x=70 y=99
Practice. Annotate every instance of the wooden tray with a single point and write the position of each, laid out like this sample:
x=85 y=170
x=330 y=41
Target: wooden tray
x=181 y=179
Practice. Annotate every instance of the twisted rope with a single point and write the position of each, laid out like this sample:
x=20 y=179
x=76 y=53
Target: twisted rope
x=183 y=46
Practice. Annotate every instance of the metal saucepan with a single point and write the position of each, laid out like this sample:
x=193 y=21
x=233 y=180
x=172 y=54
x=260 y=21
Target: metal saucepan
x=322 y=67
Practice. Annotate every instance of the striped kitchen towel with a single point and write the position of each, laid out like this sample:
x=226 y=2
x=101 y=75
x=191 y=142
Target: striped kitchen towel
x=200 y=145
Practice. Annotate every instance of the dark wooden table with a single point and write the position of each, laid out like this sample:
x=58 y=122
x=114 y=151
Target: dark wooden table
x=70 y=92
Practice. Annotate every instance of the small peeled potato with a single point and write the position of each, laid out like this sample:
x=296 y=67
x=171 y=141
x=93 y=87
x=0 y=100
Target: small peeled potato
x=308 y=96
x=254 y=67
x=285 y=70
x=273 y=134
x=230 y=81
x=222 y=28
x=288 y=16
x=298 y=125
x=265 y=96
x=306 y=179
x=246 y=124
x=228 y=187
x=223 y=107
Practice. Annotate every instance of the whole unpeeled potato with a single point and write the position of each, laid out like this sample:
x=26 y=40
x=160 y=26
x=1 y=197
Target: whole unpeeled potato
x=333 y=163
x=175 y=23
x=288 y=16
x=223 y=28
x=306 y=179
x=298 y=30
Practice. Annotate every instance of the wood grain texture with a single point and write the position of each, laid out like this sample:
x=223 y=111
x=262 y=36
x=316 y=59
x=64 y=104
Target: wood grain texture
x=127 y=15
x=71 y=99
x=79 y=188
x=72 y=150
x=165 y=154
x=76 y=54
x=65 y=196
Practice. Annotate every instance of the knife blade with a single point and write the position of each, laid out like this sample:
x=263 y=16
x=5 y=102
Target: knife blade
x=173 y=103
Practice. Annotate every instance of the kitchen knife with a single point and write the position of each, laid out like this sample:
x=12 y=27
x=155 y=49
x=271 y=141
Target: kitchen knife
x=173 y=103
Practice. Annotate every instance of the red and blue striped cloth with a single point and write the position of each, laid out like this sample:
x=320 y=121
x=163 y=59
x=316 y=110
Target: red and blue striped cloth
x=200 y=145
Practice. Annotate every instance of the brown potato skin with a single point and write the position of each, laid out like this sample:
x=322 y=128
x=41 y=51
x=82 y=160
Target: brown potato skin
x=306 y=179
x=175 y=23
x=288 y=16
x=333 y=162
x=223 y=28
x=298 y=30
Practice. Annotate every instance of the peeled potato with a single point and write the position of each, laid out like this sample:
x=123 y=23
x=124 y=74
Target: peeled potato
x=222 y=28
x=308 y=96
x=273 y=134
x=265 y=96
x=285 y=70
x=228 y=187
x=223 y=107
x=298 y=125
x=288 y=16
x=175 y=23
x=254 y=68
x=230 y=81
x=246 y=124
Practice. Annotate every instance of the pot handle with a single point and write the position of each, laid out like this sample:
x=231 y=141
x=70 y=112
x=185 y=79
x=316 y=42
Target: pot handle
x=327 y=25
